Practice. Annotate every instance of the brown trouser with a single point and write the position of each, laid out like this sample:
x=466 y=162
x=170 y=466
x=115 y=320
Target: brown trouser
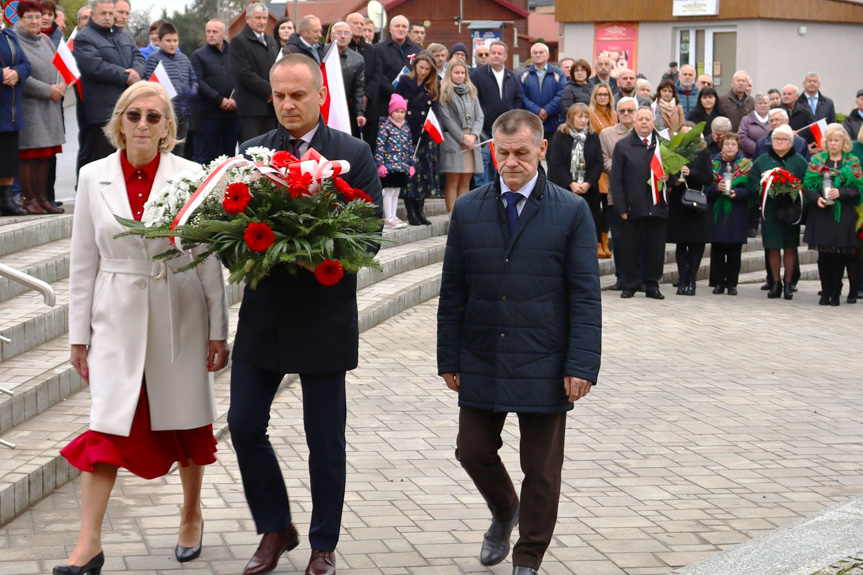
x=541 y=452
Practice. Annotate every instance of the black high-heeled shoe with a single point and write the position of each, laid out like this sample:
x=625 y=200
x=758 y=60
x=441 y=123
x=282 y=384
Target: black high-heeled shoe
x=789 y=290
x=775 y=290
x=184 y=554
x=93 y=567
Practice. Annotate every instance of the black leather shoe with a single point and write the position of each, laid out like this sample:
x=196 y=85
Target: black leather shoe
x=681 y=290
x=793 y=288
x=789 y=291
x=266 y=557
x=627 y=293
x=640 y=288
x=732 y=290
x=824 y=299
x=767 y=286
x=184 y=554
x=93 y=567
x=775 y=290
x=752 y=232
x=851 y=299
x=654 y=294
x=495 y=542
x=719 y=289
x=690 y=289
x=520 y=570
x=616 y=286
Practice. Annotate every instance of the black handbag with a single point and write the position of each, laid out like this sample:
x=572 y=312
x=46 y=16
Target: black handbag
x=788 y=212
x=693 y=200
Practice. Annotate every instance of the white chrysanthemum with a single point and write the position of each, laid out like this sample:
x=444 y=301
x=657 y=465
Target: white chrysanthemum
x=260 y=154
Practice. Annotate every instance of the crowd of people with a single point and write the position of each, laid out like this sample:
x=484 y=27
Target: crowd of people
x=601 y=126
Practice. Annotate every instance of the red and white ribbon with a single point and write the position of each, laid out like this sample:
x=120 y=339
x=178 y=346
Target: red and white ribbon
x=318 y=167
x=209 y=185
x=767 y=183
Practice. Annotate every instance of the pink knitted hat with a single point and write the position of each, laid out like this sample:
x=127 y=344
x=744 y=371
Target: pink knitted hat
x=397 y=103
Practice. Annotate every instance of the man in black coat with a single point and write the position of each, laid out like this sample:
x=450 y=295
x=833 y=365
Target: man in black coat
x=372 y=75
x=642 y=209
x=307 y=39
x=294 y=324
x=519 y=330
x=498 y=90
x=108 y=62
x=253 y=52
x=395 y=53
x=217 y=108
x=817 y=104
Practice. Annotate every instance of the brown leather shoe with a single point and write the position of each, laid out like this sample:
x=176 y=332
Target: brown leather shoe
x=271 y=548
x=322 y=563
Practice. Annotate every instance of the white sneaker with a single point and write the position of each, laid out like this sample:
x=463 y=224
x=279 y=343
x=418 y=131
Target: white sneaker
x=390 y=225
x=398 y=223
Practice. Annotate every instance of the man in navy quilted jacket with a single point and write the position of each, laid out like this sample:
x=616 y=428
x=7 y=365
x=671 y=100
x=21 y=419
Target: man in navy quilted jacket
x=519 y=330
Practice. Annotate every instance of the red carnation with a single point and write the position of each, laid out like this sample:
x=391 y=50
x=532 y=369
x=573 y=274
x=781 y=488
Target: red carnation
x=350 y=193
x=298 y=185
x=282 y=159
x=259 y=236
x=341 y=186
x=329 y=272
x=237 y=197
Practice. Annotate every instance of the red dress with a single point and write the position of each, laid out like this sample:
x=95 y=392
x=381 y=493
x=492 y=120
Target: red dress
x=146 y=453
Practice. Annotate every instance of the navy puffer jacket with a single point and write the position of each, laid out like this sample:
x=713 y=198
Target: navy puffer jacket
x=519 y=313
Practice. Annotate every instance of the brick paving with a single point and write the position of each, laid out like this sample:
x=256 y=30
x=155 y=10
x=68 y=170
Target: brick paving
x=717 y=419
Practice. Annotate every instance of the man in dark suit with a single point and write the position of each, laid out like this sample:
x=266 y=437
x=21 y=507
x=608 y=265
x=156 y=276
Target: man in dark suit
x=253 y=52
x=294 y=324
x=109 y=62
x=519 y=333
x=395 y=53
x=643 y=212
x=307 y=39
x=498 y=90
x=816 y=104
x=371 y=75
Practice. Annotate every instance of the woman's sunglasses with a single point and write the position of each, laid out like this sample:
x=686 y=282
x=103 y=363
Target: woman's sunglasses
x=152 y=118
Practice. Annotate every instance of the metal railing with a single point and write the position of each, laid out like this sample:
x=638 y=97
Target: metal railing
x=47 y=295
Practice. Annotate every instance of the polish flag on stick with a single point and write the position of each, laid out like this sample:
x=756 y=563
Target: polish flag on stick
x=432 y=126
x=335 y=106
x=656 y=173
x=818 y=130
x=160 y=76
x=65 y=63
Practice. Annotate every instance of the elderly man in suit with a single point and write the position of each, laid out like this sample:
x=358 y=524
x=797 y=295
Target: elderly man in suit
x=519 y=330
x=293 y=324
x=253 y=52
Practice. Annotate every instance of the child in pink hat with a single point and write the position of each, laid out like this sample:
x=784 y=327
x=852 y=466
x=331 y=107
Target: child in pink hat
x=394 y=157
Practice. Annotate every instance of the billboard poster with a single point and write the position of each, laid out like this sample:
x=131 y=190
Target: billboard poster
x=618 y=41
x=482 y=38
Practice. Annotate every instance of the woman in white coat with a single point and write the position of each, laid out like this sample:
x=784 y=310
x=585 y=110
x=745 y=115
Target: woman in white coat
x=145 y=336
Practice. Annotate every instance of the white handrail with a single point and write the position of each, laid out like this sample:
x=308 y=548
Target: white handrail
x=33 y=283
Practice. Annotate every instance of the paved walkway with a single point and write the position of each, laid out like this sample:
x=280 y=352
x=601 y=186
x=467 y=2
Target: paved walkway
x=717 y=420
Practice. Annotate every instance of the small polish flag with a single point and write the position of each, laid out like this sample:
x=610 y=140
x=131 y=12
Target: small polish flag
x=160 y=76
x=65 y=63
x=432 y=126
x=491 y=150
x=71 y=41
x=656 y=173
x=818 y=130
x=335 y=106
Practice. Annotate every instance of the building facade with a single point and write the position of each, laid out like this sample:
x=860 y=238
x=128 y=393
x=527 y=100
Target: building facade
x=776 y=41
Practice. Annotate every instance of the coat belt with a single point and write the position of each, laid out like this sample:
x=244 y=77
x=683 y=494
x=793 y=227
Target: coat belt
x=161 y=270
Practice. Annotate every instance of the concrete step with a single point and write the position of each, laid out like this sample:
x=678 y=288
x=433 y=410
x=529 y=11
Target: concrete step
x=33 y=231
x=35 y=468
x=48 y=262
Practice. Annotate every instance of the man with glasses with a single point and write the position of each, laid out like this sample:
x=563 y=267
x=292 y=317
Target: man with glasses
x=481 y=55
x=704 y=81
x=109 y=62
x=608 y=139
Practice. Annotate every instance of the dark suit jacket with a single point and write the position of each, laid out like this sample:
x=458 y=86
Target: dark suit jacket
x=823 y=109
x=103 y=56
x=215 y=81
x=393 y=59
x=292 y=323
x=630 y=171
x=489 y=94
x=372 y=73
x=520 y=311
x=251 y=62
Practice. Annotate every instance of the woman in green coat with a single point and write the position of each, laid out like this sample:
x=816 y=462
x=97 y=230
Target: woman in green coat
x=778 y=236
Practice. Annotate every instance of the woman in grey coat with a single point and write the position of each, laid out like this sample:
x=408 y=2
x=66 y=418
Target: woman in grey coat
x=43 y=135
x=461 y=120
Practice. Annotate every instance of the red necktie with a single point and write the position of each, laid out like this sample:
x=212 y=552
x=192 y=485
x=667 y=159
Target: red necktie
x=646 y=143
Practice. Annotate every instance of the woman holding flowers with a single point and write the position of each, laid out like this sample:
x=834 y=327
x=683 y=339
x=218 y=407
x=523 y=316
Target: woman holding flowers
x=832 y=187
x=145 y=336
x=774 y=188
x=728 y=213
